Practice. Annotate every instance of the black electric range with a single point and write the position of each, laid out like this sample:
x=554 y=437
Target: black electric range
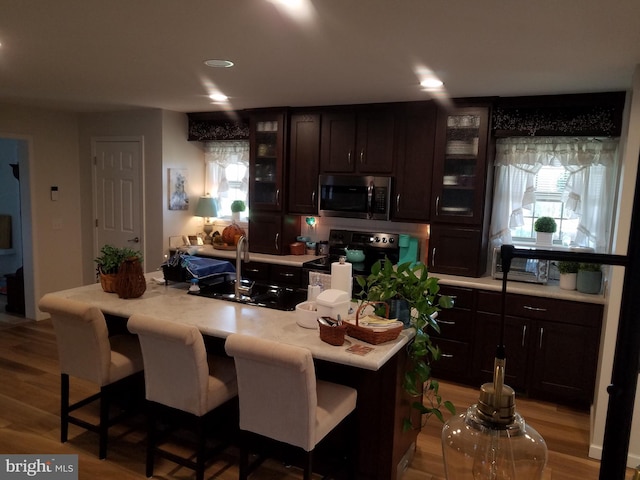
x=375 y=245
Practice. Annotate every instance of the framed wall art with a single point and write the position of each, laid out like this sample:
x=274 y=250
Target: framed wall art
x=178 y=198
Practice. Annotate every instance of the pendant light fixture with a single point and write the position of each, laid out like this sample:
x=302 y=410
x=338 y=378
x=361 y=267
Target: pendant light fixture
x=491 y=441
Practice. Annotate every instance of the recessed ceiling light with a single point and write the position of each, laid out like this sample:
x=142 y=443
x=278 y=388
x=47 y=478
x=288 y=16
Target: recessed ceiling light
x=431 y=83
x=218 y=97
x=219 y=63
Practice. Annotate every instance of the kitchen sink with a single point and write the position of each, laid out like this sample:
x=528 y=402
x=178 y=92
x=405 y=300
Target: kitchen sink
x=261 y=295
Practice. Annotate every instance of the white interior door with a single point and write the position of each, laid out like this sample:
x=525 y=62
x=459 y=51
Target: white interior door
x=118 y=203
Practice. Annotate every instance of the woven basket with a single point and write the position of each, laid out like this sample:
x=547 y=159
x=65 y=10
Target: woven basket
x=130 y=281
x=332 y=335
x=108 y=282
x=367 y=334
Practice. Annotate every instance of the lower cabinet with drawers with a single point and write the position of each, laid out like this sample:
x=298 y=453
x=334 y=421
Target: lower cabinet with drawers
x=551 y=344
x=456 y=336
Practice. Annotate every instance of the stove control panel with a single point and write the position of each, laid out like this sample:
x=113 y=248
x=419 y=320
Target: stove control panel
x=364 y=239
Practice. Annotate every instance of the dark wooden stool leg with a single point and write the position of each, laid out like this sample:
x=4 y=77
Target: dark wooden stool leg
x=64 y=407
x=151 y=438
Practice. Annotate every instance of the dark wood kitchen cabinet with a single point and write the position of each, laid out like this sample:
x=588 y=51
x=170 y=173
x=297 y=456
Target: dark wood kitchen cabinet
x=461 y=190
x=266 y=161
x=455 y=339
x=414 y=162
x=272 y=233
x=459 y=172
x=304 y=163
x=457 y=250
x=552 y=345
x=358 y=141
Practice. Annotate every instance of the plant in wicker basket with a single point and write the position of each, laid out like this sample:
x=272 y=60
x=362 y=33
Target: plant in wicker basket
x=108 y=264
x=411 y=283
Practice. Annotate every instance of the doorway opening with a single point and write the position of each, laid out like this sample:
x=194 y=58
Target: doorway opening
x=16 y=281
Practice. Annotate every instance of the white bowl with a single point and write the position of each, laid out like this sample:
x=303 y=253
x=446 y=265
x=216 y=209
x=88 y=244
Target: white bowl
x=307 y=315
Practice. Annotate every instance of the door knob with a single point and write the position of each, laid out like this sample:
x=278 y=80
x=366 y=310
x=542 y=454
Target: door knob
x=134 y=240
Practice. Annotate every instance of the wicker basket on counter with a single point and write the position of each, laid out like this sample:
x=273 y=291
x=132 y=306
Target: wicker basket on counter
x=368 y=334
x=332 y=335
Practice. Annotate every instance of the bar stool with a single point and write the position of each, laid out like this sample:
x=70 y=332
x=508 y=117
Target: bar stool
x=181 y=378
x=280 y=398
x=86 y=351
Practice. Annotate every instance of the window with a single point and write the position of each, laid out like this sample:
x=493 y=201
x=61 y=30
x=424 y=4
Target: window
x=549 y=185
x=569 y=179
x=227 y=175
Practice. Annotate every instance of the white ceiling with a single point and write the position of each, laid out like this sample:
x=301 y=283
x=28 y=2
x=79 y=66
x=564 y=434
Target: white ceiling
x=88 y=55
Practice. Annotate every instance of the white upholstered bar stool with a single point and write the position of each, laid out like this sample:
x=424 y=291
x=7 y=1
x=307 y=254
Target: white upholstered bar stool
x=180 y=376
x=86 y=351
x=281 y=399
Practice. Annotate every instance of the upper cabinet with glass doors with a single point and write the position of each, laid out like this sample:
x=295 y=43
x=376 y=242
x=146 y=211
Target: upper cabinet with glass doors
x=460 y=165
x=266 y=162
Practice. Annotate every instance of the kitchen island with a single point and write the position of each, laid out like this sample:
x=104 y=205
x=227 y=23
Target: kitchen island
x=384 y=450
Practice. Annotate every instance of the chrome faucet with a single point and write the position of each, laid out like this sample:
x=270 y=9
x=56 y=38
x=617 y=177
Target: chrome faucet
x=242 y=247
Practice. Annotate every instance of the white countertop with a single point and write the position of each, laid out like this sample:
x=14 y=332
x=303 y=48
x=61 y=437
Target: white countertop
x=537 y=290
x=219 y=318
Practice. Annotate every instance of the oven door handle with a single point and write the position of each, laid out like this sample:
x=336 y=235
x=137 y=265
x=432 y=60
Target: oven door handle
x=370 y=191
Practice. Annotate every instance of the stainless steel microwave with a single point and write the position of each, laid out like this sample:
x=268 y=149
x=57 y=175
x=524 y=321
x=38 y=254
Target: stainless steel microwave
x=522 y=269
x=354 y=196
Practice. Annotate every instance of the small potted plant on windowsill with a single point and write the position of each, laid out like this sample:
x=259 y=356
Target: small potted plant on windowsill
x=589 y=278
x=108 y=263
x=568 y=273
x=545 y=227
x=237 y=206
x=411 y=285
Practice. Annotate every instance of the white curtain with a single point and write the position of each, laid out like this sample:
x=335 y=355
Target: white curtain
x=218 y=156
x=592 y=166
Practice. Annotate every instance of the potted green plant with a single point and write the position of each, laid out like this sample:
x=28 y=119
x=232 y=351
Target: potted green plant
x=568 y=273
x=545 y=227
x=411 y=284
x=237 y=206
x=589 y=278
x=109 y=261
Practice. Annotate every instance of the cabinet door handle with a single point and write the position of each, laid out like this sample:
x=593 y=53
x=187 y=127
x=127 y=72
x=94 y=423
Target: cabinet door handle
x=278 y=197
x=362 y=156
x=349 y=158
x=276 y=242
x=534 y=309
x=398 y=203
x=438 y=205
x=251 y=270
x=524 y=335
x=313 y=197
x=446 y=322
x=446 y=355
x=541 y=334
x=288 y=275
x=433 y=256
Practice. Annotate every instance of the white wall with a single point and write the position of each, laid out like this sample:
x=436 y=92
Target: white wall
x=630 y=154
x=177 y=152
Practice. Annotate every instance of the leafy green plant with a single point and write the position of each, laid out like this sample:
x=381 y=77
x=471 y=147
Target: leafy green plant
x=590 y=267
x=238 y=206
x=545 y=224
x=412 y=283
x=111 y=258
x=568 y=267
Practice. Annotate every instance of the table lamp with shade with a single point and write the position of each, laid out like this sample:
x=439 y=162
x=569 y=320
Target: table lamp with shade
x=206 y=208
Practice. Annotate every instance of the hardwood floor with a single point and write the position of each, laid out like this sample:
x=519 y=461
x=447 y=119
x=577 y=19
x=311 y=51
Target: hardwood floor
x=29 y=423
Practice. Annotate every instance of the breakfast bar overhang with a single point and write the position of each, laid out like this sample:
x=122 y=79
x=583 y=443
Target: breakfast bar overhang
x=383 y=449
